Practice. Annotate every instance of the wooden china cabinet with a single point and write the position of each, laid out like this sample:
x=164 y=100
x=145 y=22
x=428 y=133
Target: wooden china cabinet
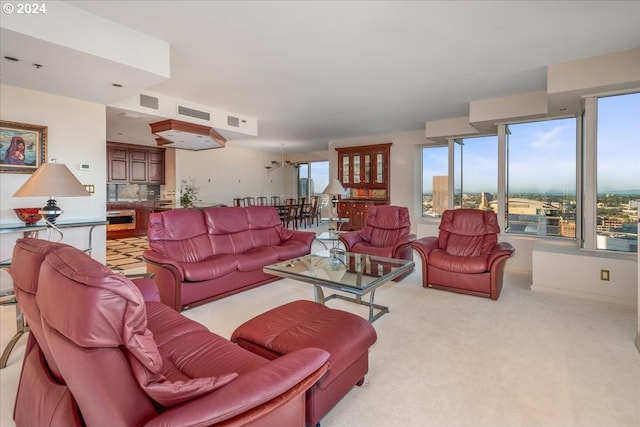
x=364 y=173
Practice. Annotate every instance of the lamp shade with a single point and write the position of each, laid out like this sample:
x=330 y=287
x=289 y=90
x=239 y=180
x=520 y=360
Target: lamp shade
x=334 y=187
x=52 y=179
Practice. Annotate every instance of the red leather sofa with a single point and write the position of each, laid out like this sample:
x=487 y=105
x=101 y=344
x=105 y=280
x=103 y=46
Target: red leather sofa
x=104 y=350
x=201 y=255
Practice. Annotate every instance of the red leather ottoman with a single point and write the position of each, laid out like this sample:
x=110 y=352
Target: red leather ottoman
x=301 y=324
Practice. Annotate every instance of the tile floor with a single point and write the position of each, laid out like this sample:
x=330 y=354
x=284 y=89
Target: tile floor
x=126 y=254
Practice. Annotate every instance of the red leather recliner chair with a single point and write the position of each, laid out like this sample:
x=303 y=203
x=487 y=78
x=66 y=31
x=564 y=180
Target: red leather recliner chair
x=387 y=233
x=466 y=256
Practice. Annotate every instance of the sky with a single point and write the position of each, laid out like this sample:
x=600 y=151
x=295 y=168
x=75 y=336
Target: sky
x=542 y=154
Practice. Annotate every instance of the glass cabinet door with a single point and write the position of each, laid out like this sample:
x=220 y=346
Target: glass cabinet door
x=367 y=168
x=356 y=168
x=379 y=168
x=345 y=169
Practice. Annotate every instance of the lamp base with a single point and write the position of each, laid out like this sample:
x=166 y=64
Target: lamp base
x=51 y=211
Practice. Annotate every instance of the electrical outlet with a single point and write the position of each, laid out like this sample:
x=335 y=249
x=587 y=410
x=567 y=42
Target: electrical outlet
x=604 y=275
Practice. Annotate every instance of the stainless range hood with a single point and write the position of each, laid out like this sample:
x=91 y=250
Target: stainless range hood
x=188 y=136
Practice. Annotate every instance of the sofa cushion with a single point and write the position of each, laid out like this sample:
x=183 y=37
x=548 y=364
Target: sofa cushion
x=368 y=248
x=468 y=232
x=95 y=308
x=180 y=234
x=217 y=266
x=290 y=249
x=458 y=264
x=256 y=259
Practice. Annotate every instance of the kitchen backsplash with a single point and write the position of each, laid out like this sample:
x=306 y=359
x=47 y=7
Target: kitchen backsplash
x=132 y=192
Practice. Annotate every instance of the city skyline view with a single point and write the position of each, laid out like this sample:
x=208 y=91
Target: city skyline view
x=542 y=156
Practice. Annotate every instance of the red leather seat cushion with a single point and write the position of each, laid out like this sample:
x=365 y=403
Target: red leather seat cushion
x=218 y=266
x=458 y=264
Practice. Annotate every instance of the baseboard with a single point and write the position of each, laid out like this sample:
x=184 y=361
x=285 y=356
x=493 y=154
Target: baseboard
x=585 y=295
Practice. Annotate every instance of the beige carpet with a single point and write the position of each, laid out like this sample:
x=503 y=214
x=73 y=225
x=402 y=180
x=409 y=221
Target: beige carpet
x=443 y=359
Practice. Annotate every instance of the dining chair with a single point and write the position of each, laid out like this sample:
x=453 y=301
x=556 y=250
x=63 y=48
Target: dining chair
x=289 y=213
x=250 y=201
x=239 y=202
x=261 y=200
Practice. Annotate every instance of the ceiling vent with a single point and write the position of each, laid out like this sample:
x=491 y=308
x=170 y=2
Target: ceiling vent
x=149 y=101
x=190 y=112
x=187 y=136
x=233 y=121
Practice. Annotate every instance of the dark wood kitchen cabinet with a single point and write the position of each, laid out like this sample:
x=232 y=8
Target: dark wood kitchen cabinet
x=136 y=164
x=117 y=164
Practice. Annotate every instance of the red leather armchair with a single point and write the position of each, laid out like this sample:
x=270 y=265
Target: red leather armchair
x=466 y=256
x=113 y=354
x=387 y=233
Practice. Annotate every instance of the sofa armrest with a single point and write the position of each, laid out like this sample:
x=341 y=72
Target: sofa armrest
x=424 y=246
x=305 y=237
x=500 y=250
x=147 y=288
x=281 y=379
x=161 y=259
x=168 y=276
x=351 y=238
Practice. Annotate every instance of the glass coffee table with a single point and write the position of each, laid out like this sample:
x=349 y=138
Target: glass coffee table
x=353 y=273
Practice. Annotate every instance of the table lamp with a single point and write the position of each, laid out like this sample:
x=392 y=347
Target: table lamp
x=52 y=179
x=334 y=188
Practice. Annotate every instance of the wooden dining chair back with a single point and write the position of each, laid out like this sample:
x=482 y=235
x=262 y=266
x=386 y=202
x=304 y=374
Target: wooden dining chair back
x=239 y=202
x=312 y=212
x=275 y=200
x=261 y=200
x=300 y=212
x=250 y=201
x=289 y=213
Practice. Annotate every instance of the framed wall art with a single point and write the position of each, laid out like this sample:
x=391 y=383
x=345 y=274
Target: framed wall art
x=23 y=147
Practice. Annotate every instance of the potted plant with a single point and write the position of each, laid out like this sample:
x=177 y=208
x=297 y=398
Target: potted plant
x=188 y=193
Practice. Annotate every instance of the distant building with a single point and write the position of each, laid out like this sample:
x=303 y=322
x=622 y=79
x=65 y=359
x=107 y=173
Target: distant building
x=528 y=216
x=440 y=201
x=486 y=199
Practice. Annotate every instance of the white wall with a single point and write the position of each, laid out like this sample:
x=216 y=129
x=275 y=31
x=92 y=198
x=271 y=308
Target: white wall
x=76 y=134
x=229 y=172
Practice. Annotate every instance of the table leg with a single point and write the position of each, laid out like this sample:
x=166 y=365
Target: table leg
x=318 y=294
x=21 y=329
x=382 y=310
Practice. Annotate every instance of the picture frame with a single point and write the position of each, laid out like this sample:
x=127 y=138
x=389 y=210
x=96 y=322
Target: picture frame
x=23 y=147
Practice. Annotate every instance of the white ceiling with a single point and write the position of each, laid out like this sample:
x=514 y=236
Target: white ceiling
x=311 y=72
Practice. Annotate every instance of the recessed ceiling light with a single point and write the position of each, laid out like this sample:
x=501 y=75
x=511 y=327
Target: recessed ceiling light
x=11 y=58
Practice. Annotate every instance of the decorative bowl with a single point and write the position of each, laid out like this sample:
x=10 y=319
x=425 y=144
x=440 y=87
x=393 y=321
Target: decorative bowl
x=28 y=215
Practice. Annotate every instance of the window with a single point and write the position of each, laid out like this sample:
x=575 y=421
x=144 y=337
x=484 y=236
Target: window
x=618 y=172
x=313 y=178
x=476 y=186
x=541 y=182
x=435 y=187
x=475 y=175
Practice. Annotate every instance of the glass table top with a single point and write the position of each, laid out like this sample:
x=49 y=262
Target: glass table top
x=340 y=270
